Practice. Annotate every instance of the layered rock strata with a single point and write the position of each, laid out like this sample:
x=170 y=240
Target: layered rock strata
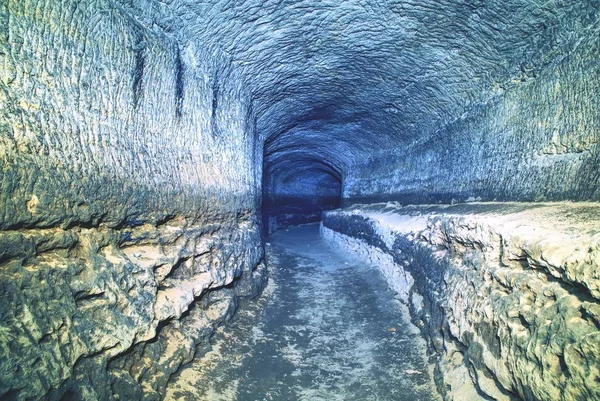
x=95 y=313
x=129 y=193
x=508 y=295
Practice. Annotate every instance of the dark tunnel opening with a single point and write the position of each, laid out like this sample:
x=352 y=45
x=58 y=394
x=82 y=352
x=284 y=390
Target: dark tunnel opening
x=304 y=168
x=296 y=190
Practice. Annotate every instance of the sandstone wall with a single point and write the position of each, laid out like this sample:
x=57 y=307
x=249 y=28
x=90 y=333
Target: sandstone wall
x=535 y=139
x=508 y=295
x=129 y=192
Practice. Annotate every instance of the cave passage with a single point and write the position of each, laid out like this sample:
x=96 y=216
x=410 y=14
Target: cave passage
x=297 y=188
x=327 y=328
x=148 y=148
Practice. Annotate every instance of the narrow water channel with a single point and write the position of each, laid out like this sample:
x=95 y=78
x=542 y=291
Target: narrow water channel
x=327 y=328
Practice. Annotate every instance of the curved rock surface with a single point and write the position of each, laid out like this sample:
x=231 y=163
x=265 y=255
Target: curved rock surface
x=140 y=138
x=128 y=202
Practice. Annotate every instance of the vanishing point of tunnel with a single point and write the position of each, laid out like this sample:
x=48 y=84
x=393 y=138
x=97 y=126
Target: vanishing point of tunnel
x=259 y=200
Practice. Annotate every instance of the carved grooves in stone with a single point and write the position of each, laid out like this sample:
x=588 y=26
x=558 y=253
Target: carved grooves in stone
x=215 y=104
x=179 y=82
x=138 y=70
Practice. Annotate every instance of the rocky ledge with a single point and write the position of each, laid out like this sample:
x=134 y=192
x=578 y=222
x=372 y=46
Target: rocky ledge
x=507 y=295
x=98 y=313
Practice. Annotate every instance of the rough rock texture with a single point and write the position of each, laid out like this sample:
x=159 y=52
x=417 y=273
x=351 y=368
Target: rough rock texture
x=537 y=139
x=419 y=101
x=508 y=295
x=129 y=195
x=76 y=300
x=434 y=101
x=133 y=132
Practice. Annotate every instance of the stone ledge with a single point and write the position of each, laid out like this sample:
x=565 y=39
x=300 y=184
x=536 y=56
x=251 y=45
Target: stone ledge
x=92 y=310
x=506 y=294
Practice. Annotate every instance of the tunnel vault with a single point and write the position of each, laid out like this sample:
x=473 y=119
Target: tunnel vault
x=299 y=181
x=139 y=140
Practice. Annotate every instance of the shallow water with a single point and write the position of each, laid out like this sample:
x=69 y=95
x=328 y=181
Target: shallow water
x=327 y=328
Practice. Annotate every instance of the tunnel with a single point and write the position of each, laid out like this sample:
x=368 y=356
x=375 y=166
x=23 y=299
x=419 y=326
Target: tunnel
x=299 y=200
x=299 y=182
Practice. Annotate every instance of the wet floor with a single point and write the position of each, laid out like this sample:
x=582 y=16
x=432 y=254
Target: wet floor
x=327 y=328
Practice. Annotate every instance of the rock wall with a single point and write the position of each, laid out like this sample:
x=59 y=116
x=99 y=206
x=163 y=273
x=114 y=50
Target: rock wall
x=536 y=138
x=131 y=152
x=128 y=201
x=506 y=294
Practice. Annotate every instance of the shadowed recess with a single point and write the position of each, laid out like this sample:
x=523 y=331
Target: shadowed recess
x=297 y=187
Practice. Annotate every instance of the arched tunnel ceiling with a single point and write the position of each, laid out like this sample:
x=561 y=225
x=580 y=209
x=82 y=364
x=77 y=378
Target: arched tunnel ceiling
x=308 y=145
x=363 y=76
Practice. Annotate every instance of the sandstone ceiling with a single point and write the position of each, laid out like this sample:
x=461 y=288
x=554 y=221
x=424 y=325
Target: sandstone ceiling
x=336 y=81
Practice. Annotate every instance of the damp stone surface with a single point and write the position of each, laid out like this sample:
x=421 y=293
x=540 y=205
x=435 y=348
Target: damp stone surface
x=327 y=328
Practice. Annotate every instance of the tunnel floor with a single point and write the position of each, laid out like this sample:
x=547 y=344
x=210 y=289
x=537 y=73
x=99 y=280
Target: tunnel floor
x=326 y=328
